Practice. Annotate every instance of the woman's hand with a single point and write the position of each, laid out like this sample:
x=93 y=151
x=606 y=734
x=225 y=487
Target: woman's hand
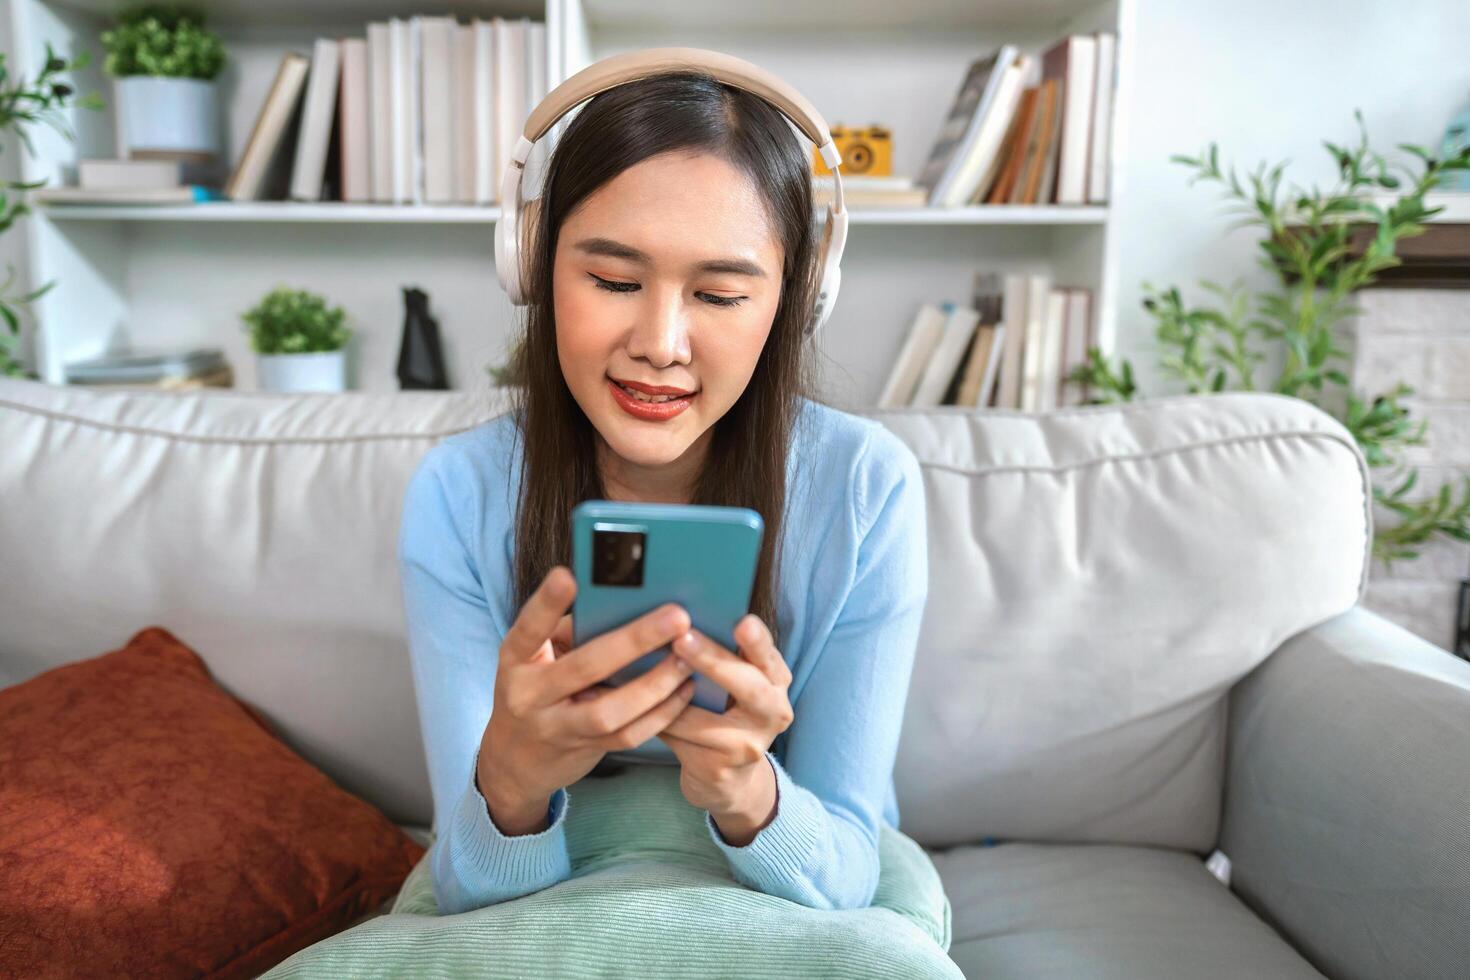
x=723 y=756
x=551 y=723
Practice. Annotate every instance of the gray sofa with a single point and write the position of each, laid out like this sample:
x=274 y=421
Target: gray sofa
x=1143 y=644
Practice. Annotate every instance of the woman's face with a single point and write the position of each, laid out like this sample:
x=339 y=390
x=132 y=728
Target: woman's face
x=667 y=276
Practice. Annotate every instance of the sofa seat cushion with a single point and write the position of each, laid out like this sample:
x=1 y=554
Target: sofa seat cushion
x=1102 y=911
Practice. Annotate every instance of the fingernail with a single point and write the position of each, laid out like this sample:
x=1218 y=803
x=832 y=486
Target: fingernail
x=685 y=667
x=686 y=643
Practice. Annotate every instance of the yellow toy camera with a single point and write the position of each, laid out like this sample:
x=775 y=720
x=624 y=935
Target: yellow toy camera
x=866 y=151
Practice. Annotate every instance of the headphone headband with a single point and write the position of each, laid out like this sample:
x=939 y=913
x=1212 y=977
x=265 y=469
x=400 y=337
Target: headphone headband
x=631 y=66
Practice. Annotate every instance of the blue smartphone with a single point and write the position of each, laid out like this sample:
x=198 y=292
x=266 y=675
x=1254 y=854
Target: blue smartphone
x=631 y=558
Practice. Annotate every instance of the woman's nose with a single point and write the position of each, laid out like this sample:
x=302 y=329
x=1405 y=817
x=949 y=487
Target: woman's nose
x=661 y=333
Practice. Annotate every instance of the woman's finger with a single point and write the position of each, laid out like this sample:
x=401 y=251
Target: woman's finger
x=616 y=706
x=561 y=637
x=603 y=655
x=701 y=726
x=538 y=618
x=651 y=722
x=745 y=682
x=758 y=646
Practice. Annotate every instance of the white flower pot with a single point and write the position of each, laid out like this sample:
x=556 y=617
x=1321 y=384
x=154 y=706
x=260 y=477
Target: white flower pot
x=317 y=371
x=172 y=115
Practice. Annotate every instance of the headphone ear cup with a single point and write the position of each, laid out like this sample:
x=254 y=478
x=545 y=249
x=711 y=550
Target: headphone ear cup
x=512 y=256
x=530 y=226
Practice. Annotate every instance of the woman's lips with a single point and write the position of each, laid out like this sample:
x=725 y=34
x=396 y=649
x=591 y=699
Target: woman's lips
x=649 y=411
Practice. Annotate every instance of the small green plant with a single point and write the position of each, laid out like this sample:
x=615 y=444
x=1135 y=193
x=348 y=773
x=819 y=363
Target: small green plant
x=294 y=321
x=24 y=104
x=162 y=39
x=1308 y=247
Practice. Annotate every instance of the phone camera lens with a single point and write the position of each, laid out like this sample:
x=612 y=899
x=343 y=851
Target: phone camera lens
x=617 y=558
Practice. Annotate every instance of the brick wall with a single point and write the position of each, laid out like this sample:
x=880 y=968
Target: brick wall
x=1420 y=337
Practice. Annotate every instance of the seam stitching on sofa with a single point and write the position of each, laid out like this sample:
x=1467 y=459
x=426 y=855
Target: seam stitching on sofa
x=235 y=440
x=1365 y=480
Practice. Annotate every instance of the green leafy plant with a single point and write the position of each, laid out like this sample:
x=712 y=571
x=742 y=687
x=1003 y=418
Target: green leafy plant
x=1308 y=246
x=169 y=40
x=24 y=104
x=294 y=321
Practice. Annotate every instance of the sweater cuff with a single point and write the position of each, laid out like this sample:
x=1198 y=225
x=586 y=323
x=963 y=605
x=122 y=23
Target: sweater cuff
x=533 y=860
x=781 y=850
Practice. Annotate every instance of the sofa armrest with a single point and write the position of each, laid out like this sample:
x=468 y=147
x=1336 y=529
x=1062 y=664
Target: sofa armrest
x=1347 y=798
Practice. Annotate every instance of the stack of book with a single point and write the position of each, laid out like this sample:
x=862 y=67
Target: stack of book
x=423 y=110
x=154 y=367
x=118 y=181
x=864 y=191
x=1012 y=347
x=1028 y=128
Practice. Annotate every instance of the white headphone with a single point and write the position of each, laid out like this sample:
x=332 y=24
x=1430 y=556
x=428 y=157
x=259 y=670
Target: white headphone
x=517 y=216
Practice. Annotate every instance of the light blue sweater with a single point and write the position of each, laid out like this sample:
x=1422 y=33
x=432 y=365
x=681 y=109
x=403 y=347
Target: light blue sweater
x=852 y=586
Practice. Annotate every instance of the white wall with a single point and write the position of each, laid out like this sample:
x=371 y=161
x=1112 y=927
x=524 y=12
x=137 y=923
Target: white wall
x=1267 y=80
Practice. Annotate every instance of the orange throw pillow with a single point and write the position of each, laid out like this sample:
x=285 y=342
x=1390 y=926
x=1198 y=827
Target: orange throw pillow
x=151 y=824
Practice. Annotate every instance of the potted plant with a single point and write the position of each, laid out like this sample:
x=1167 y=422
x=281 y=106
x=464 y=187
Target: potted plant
x=164 y=63
x=300 y=344
x=1307 y=241
x=24 y=104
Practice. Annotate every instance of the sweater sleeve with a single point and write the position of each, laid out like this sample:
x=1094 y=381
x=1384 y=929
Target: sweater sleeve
x=821 y=847
x=454 y=646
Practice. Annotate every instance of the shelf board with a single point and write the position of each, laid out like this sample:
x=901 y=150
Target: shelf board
x=771 y=14
x=332 y=211
x=828 y=14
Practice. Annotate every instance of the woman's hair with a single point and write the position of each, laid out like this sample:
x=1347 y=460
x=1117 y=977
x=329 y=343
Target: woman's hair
x=690 y=112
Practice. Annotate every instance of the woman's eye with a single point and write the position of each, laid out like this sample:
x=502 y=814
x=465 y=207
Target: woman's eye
x=628 y=287
x=614 y=287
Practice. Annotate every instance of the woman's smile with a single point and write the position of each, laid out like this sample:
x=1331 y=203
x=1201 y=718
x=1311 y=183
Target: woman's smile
x=659 y=405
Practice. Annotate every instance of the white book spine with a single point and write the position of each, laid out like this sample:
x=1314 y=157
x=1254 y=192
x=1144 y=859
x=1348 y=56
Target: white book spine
x=356 y=139
x=981 y=163
x=959 y=329
x=464 y=113
x=485 y=189
x=416 y=110
x=1051 y=354
x=316 y=122
x=1013 y=315
x=1038 y=285
x=992 y=367
x=398 y=55
x=436 y=68
x=1100 y=147
x=923 y=334
x=380 y=109
x=1076 y=121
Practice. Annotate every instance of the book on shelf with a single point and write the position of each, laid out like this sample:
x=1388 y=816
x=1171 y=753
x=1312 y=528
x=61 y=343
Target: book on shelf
x=68 y=194
x=1013 y=346
x=421 y=109
x=1028 y=127
x=1073 y=60
x=869 y=191
x=153 y=367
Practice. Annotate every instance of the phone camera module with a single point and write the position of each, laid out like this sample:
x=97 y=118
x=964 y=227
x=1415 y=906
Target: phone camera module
x=617 y=558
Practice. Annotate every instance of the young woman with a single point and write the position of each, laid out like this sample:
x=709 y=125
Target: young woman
x=671 y=274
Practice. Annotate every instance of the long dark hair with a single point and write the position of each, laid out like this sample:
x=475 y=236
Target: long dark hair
x=746 y=465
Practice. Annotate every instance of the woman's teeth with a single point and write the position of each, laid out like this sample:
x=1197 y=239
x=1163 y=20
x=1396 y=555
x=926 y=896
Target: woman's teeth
x=648 y=398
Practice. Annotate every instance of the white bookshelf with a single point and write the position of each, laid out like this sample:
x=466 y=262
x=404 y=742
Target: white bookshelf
x=163 y=275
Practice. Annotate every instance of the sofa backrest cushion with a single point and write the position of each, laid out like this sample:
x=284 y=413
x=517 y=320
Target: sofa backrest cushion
x=259 y=528
x=1099 y=578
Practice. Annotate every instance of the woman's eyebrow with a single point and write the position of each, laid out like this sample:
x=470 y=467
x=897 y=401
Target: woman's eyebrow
x=617 y=250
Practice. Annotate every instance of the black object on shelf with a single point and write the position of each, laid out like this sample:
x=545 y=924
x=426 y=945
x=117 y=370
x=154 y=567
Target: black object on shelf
x=420 y=361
